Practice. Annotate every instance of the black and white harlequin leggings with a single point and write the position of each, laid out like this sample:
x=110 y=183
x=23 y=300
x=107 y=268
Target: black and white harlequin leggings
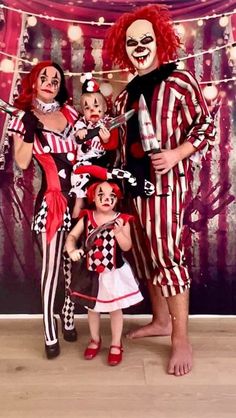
x=52 y=255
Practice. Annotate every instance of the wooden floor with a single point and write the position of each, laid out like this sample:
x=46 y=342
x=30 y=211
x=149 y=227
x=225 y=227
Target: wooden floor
x=70 y=387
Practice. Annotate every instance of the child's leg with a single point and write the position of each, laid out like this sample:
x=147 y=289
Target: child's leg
x=116 y=329
x=94 y=327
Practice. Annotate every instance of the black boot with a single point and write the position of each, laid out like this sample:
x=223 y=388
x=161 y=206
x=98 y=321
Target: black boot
x=68 y=334
x=53 y=350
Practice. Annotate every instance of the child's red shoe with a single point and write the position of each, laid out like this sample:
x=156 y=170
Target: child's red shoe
x=90 y=353
x=114 y=359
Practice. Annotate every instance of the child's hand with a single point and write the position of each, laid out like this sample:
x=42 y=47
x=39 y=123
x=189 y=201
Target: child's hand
x=118 y=226
x=104 y=134
x=81 y=133
x=76 y=254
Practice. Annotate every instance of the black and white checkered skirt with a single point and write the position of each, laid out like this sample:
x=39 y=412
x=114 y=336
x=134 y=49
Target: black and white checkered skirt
x=40 y=219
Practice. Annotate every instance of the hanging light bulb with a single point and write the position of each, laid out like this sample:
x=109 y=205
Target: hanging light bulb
x=181 y=65
x=101 y=20
x=7 y=65
x=210 y=91
x=32 y=21
x=200 y=22
x=74 y=33
x=223 y=22
x=232 y=52
x=106 y=89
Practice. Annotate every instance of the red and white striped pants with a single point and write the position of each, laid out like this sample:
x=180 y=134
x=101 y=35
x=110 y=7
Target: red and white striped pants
x=157 y=241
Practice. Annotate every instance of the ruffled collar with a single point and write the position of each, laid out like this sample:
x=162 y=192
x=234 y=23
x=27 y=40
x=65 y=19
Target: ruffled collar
x=46 y=107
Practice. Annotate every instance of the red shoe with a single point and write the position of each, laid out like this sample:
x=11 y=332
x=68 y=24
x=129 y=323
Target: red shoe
x=90 y=353
x=114 y=359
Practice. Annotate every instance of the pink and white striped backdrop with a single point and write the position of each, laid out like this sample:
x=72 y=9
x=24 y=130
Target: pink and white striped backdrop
x=211 y=213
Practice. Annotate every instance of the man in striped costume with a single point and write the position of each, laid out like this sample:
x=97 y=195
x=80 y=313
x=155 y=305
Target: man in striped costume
x=144 y=41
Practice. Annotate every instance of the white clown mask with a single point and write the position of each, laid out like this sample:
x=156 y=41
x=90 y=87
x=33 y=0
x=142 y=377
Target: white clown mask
x=141 y=46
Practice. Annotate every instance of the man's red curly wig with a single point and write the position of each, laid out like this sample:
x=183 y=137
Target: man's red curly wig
x=168 y=41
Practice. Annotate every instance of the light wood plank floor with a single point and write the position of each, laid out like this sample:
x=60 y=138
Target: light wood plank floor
x=70 y=387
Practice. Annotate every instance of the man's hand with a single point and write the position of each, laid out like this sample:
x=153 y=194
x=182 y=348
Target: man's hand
x=165 y=160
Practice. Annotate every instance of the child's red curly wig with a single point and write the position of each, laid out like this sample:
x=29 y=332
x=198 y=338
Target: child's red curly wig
x=92 y=189
x=167 y=40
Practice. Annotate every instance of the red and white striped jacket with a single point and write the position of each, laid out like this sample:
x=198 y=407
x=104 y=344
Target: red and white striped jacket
x=179 y=114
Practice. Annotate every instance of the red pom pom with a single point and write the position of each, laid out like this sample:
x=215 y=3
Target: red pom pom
x=98 y=255
x=98 y=242
x=136 y=150
x=100 y=269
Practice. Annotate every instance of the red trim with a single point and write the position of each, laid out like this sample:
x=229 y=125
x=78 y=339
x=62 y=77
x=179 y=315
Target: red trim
x=56 y=202
x=102 y=301
x=66 y=112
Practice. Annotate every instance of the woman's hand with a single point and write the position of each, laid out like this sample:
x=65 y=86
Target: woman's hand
x=76 y=254
x=31 y=125
x=81 y=133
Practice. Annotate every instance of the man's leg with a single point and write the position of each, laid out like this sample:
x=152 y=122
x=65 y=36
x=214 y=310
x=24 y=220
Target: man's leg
x=160 y=324
x=180 y=362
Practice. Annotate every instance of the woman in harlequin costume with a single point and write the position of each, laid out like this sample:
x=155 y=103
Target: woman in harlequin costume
x=45 y=133
x=144 y=41
x=96 y=149
x=117 y=287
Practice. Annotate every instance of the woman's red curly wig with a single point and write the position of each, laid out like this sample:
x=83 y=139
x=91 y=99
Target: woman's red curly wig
x=28 y=91
x=92 y=189
x=167 y=40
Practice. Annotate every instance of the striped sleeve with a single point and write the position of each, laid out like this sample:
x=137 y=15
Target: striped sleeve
x=15 y=126
x=201 y=131
x=70 y=113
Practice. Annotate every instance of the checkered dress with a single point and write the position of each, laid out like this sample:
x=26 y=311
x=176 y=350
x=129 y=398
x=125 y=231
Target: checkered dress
x=117 y=287
x=56 y=164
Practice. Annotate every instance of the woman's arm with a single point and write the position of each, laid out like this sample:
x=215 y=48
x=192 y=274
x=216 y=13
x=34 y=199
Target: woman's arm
x=23 y=151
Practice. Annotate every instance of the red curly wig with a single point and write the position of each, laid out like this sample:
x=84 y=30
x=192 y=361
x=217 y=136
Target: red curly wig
x=91 y=190
x=24 y=101
x=167 y=40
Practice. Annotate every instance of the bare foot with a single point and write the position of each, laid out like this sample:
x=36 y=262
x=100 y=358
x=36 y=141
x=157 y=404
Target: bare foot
x=153 y=329
x=181 y=358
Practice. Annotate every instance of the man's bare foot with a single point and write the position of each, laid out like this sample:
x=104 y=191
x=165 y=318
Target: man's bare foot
x=181 y=358
x=153 y=329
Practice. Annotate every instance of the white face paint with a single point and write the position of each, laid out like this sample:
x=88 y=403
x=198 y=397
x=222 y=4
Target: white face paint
x=105 y=198
x=141 y=46
x=48 y=84
x=93 y=106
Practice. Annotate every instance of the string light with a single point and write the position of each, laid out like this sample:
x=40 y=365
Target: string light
x=9 y=66
x=101 y=20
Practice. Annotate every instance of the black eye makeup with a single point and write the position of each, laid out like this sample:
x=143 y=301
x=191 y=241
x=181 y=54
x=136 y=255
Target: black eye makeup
x=131 y=42
x=147 y=40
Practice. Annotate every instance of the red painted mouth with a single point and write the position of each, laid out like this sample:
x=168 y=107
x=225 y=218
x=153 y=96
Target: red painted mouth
x=47 y=91
x=94 y=117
